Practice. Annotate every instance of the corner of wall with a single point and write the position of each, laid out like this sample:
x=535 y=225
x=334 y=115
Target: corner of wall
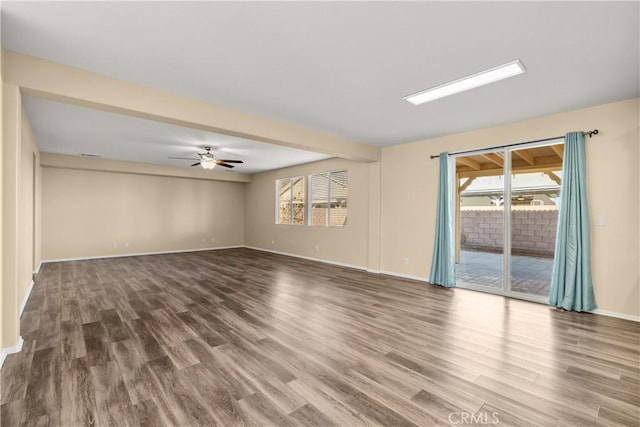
x=11 y=350
x=11 y=128
x=19 y=174
x=1 y=193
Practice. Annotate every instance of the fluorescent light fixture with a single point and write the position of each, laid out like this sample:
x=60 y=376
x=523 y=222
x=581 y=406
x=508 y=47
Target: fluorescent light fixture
x=479 y=79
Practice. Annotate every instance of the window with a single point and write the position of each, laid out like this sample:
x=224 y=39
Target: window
x=290 y=200
x=329 y=193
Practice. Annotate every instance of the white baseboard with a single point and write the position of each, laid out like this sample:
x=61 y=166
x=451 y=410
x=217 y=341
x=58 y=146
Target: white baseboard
x=10 y=350
x=142 y=254
x=340 y=264
x=37 y=270
x=23 y=304
x=616 y=314
x=405 y=276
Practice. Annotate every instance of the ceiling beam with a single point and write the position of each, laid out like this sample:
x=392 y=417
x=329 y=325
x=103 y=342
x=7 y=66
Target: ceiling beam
x=494 y=158
x=63 y=161
x=542 y=161
x=71 y=85
x=555 y=178
x=466 y=184
x=466 y=161
x=518 y=167
x=526 y=156
x=558 y=149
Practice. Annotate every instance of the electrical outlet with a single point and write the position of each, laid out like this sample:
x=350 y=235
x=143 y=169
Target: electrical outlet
x=115 y=245
x=213 y=240
x=406 y=261
x=317 y=248
x=126 y=244
x=273 y=242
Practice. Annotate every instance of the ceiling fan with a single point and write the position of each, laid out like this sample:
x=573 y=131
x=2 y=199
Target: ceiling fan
x=209 y=161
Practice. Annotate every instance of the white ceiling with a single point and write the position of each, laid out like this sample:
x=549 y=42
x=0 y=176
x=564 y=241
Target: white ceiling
x=343 y=67
x=69 y=129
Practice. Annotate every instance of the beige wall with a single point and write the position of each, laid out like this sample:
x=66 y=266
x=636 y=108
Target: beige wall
x=29 y=199
x=347 y=245
x=613 y=180
x=2 y=342
x=20 y=213
x=10 y=161
x=86 y=213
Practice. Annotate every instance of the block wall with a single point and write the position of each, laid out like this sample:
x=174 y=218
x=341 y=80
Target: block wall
x=533 y=229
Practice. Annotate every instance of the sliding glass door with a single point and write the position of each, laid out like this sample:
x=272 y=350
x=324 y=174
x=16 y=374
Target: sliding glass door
x=506 y=216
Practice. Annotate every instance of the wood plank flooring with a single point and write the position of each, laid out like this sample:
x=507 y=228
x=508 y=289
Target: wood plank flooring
x=242 y=337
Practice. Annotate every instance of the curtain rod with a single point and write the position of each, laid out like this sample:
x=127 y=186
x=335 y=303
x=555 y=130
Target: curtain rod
x=590 y=133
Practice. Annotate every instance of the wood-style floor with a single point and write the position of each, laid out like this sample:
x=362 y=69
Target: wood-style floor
x=241 y=337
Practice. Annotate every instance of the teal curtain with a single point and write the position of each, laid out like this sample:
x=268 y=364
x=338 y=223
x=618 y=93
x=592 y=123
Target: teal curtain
x=571 y=285
x=442 y=264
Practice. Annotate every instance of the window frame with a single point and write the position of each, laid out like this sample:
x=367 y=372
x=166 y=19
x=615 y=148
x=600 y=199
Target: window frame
x=310 y=199
x=291 y=199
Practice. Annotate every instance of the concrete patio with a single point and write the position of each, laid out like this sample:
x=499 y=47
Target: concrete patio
x=529 y=275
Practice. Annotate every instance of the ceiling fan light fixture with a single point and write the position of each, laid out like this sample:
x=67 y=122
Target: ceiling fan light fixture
x=208 y=160
x=208 y=164
x=482 y=78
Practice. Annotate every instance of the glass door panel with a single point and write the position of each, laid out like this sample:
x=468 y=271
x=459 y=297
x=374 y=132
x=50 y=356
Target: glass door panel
x=535 y=192
x=480 y=221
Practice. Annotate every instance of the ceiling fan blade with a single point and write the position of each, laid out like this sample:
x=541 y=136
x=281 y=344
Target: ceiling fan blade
x=196 y=164
x=230 y=161
x=219 y=162
x=181 y=158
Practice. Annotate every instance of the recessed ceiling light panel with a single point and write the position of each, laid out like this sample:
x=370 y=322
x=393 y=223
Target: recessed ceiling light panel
x=505 y=71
